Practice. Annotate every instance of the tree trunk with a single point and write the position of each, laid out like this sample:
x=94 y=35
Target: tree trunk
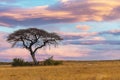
x=34 y=59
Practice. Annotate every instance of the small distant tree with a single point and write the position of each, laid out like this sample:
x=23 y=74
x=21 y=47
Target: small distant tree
x=33 y=39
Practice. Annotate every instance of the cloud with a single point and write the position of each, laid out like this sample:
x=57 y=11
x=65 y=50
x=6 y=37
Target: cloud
x=115 y=32
x=6 y=52
x=89 y=38
x=77 y=35
x=86 y=10
x=64 y=11
x=94 y=42
x=3 y=43
x=96 y=38
x=4 y=24
x=64 y=0
x=83 y=27
x=114 y=14
x=32 y=16
x=11 y=53
x=14 y=52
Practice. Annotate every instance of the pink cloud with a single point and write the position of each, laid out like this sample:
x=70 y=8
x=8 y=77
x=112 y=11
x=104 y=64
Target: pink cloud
x=11 y=53
x=3 y=42
x=15 y=52
x=66 y=51
x=39 y=12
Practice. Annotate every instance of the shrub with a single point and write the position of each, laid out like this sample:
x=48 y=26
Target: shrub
x=20 y=62
x=50 y=61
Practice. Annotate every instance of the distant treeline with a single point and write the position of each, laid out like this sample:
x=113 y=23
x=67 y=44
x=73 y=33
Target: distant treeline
x=67 y=61
x=5 y=63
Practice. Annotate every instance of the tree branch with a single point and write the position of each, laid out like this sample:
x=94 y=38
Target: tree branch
x=44 y=44
x=24 y=44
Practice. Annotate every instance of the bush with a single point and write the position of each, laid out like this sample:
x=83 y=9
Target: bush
x=20 y=62
x=50 y=61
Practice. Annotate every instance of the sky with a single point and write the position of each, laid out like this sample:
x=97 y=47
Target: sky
x=90 y=28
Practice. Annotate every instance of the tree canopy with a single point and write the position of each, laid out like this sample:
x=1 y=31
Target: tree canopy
x=33 y=39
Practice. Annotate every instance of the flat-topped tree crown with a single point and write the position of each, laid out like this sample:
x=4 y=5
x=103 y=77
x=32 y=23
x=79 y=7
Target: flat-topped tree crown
x=33 y=39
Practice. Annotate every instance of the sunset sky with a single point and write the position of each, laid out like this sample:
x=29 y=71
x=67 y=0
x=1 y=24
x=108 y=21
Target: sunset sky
x=90 y=28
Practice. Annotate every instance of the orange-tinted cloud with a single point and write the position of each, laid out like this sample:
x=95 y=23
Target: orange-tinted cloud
x=83 y=27
x=97 y=38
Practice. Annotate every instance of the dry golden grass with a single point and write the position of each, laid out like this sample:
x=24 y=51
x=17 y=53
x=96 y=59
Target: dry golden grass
x=103 y=70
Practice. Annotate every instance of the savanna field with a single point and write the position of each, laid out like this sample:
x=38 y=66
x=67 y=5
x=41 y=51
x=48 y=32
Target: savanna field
x=69 y=70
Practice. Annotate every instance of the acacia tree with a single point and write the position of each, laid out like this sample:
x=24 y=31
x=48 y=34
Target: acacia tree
x=33 y=39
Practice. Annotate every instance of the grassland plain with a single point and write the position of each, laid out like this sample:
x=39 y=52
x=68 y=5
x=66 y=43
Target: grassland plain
x=70 y=70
